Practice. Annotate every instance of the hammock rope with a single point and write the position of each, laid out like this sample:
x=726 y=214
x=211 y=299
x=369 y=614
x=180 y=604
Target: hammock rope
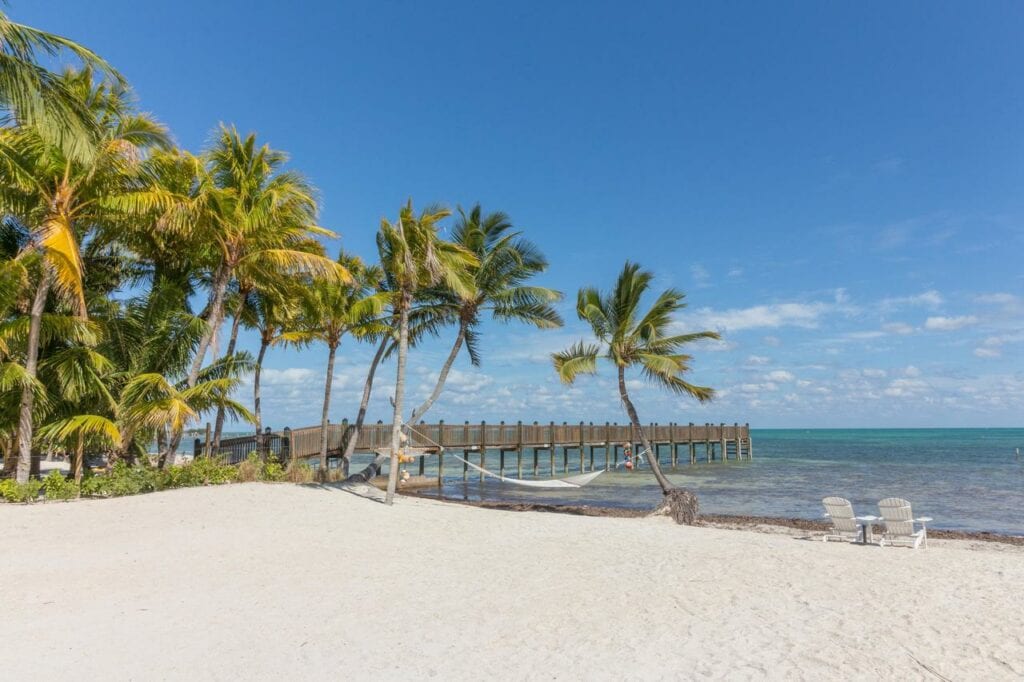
x=577 y=481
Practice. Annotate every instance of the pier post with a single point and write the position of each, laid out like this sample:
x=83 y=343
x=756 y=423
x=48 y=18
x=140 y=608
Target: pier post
x=582 y=462
x=465 y=451
x=440 y=453
x=519 y=448
x=197 y=447
x=721 y=434
x=551 y=443
x=750 y=444
x=591 y=432
x=672 y=442
x=501 y=448
x=691 y=446
x=483 y=448
x=736 y=434
x=565 y=449
x=536 y=464
x=615 y=448
x=607 y=443
x=209 y=442
x=708 y=452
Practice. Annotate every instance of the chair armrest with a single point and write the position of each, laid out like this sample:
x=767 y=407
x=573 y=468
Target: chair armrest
x=923 y=519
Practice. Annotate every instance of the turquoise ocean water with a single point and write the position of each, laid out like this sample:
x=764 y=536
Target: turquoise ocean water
x=966 y=479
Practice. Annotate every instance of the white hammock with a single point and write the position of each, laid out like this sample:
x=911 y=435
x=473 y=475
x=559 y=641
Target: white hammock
x=577 y=481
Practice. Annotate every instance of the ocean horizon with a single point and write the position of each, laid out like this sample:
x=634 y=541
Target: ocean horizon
x=969 y=479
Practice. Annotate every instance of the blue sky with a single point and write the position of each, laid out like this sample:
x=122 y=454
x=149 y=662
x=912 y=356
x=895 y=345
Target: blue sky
x=836 y=186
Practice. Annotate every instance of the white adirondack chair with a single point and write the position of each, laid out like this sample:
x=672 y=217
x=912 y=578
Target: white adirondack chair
x=899 y=524
x=844 y=523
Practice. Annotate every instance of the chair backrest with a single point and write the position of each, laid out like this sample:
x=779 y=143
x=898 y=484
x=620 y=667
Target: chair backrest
x=899 y=519
x=841 y=512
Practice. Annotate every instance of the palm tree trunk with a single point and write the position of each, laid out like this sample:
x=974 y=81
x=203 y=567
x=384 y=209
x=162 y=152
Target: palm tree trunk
x=441 y=378
x=353 y=434
x=28 y=392
x=220 y=287
x=232 y=342
x=332 y=349
x=396 y=422
x=666 y=486
x=679 y=503
x=77 y=460
x=260 y=446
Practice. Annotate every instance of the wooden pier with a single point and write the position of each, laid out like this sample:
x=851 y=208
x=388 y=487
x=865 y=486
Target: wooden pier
x=514 y=448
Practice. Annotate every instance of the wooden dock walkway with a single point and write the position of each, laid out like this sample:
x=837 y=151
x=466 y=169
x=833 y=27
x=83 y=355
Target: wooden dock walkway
x=577 y=447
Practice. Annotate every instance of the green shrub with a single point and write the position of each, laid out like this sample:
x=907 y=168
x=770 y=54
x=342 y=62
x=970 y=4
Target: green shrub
x=12 y=491
x=211 y=471
x=57 y=487
x=272 y=470
x=121 y=480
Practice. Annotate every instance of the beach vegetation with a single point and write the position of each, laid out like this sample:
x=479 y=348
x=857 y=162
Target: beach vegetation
x=123 y=257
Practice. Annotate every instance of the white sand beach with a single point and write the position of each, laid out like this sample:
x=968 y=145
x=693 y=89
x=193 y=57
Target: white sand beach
x=262 y=581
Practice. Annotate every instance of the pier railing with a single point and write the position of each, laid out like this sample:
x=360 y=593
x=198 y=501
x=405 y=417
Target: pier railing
x=306 y=442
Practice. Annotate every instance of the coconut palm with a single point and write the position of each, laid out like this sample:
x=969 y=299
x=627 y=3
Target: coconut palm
x=150 y=402
x=58 y=201
x=274 y=313
x=332 y=311
x=629 y=338
x=415 y=257
x=498 y=288
x=33 y=95
x=254 y=215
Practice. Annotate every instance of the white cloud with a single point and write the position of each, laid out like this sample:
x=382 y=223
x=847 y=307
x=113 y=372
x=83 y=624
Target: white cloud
x=983 y=352
x=948 y=324
x=875 y=373
x=772 y=341
x=928 y=299
x=758 y=360
x=911 y=371
x=999 y=298
x=780 y=376
x=805 y=315
x=735 y=272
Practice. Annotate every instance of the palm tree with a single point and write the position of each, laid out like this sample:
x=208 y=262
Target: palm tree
x=414 y=257
x=506 y=263
x=258 y=218
x=32 y=95
x=629 y=339
x=151 y=402
x=333 y=310
x=273 y=314
x=57 y=201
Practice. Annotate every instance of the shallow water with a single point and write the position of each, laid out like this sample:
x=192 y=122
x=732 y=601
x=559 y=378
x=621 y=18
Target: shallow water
x=966 y=479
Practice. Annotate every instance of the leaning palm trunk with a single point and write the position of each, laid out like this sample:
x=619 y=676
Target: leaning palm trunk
x=260 y=445
x=396 y=423
x=220 y=287
x=353 y=433
x=24 y=466
x=218 y=427
x=441 y=378
x=332 y=350
x=679 y=503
